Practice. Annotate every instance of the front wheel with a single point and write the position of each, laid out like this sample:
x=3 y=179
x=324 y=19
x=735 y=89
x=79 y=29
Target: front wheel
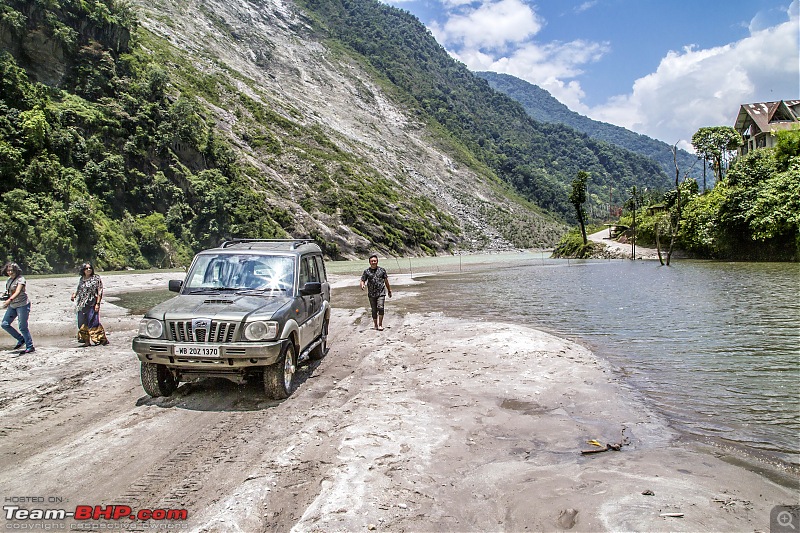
x=279 y=378
x=157 y=380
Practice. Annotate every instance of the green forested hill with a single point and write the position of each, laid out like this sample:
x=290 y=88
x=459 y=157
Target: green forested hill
x=541 y=106
x=134 y=135
x=540 y=159
x=108 y=166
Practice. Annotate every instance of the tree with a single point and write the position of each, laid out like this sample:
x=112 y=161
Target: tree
x=578 y=197
x=675 y=211
x=716 y=143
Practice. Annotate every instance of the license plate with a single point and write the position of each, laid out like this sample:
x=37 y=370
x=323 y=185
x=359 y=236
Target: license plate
x=189 y=350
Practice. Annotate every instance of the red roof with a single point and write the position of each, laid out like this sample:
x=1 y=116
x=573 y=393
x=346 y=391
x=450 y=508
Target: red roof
x=768 y=116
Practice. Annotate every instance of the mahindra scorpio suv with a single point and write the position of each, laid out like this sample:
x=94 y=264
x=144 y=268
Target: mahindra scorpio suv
x=249 y=308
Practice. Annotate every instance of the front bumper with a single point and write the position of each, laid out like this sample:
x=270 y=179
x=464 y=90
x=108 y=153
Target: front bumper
x=237 y=355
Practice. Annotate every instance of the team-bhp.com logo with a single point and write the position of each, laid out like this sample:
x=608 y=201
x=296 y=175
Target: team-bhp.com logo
x=94 y=512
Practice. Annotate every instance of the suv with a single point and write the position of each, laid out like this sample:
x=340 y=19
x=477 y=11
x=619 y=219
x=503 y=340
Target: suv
x=251 y=307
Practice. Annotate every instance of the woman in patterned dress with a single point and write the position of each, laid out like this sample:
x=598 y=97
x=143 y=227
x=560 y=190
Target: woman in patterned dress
x=87 y=298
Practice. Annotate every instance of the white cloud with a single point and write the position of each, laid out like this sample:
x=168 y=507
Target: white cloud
x=492 y=25
x=553 y=66
x=766 y=18
x=695 y=88
x=691 y=88
x=499 y=36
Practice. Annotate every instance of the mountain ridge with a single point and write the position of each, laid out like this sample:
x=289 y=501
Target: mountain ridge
x=542 y=106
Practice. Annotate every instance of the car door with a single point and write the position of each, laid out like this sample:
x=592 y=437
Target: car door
x=312 y=303
x=323 y=278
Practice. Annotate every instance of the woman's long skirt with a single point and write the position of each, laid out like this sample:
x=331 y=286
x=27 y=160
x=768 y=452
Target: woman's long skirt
x=90 y=331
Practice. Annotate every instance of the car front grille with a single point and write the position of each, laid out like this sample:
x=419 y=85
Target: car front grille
x=213 y=331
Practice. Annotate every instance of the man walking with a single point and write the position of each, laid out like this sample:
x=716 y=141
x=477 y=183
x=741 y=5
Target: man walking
x=376 y=280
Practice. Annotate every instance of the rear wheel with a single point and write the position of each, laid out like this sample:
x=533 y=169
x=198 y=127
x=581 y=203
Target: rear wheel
x=279 y=378
x=157 y=380
x=321 y=349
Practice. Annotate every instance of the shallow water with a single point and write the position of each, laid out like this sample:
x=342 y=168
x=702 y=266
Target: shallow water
x=715 y=346
x=138 y=303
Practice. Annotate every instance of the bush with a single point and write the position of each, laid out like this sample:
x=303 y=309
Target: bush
x=572 y=246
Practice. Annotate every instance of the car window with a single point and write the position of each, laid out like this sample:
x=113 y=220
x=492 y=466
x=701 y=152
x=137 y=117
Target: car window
x=321 y=268
x=313 y=272
x=241 y=271
x=303 y=272
x=308 y=271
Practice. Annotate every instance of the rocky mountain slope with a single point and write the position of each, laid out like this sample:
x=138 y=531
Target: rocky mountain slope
x=269 y=52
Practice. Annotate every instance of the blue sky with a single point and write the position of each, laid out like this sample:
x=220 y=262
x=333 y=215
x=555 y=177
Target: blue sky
x=663 y=68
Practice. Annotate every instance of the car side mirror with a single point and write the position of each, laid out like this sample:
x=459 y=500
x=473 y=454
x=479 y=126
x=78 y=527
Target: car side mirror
x=175 y=285
x=312 y=287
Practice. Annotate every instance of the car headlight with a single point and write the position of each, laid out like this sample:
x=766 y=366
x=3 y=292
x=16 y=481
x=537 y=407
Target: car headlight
x=150 y=327
x=261 y=331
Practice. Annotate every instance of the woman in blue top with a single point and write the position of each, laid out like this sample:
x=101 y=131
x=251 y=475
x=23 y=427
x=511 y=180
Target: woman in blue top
x=18 y=306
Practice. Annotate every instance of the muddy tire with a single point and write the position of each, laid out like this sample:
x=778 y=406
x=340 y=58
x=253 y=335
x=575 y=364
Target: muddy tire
x=279 y=379
x=320 y=351
x=157 y=380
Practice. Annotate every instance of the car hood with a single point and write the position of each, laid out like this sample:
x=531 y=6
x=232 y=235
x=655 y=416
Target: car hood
x=218 y=307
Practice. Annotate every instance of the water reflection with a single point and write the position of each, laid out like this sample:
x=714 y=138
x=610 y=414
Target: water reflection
x=139 y=302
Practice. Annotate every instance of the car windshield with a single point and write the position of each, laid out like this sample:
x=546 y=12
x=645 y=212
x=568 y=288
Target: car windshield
x=241 y=272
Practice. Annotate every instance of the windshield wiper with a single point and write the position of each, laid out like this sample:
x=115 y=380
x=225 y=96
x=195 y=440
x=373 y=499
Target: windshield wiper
x=212 y=290
x=260 y=291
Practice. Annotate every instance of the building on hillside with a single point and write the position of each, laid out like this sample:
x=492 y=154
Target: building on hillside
x=757 y=123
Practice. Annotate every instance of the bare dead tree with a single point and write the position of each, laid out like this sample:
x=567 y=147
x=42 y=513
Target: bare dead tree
x=658 y=245
x=674 y=214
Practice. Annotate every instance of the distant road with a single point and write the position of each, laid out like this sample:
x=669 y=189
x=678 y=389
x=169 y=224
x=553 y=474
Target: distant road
x=625 y=249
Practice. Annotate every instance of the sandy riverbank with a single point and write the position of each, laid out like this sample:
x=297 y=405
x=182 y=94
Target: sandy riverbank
x=436 y=424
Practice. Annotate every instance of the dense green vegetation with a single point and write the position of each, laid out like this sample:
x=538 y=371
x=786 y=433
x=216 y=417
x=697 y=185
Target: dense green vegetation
x=110 y=166
x=538 y=159
x=541 y=106
x=753 y=213
x=573 y=245
x=715 y=144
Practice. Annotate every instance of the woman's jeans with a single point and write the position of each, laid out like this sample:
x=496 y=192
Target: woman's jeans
x=21 y=313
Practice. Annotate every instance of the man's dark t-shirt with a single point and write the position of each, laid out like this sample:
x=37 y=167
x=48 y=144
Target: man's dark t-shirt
x=375 y=279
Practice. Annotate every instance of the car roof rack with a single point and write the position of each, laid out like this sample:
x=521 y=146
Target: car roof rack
x=296 y=243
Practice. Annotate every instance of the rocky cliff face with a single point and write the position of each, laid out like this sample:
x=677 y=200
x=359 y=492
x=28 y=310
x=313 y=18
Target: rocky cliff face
x=269 y=51
x=46 y=62
x=46 y=56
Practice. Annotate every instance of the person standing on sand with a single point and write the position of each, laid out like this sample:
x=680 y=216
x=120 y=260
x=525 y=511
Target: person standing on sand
x=89 y=294
x=376 y=280
x=17 y=305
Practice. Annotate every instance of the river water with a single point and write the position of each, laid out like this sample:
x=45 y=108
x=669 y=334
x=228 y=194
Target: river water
x=713 y=346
